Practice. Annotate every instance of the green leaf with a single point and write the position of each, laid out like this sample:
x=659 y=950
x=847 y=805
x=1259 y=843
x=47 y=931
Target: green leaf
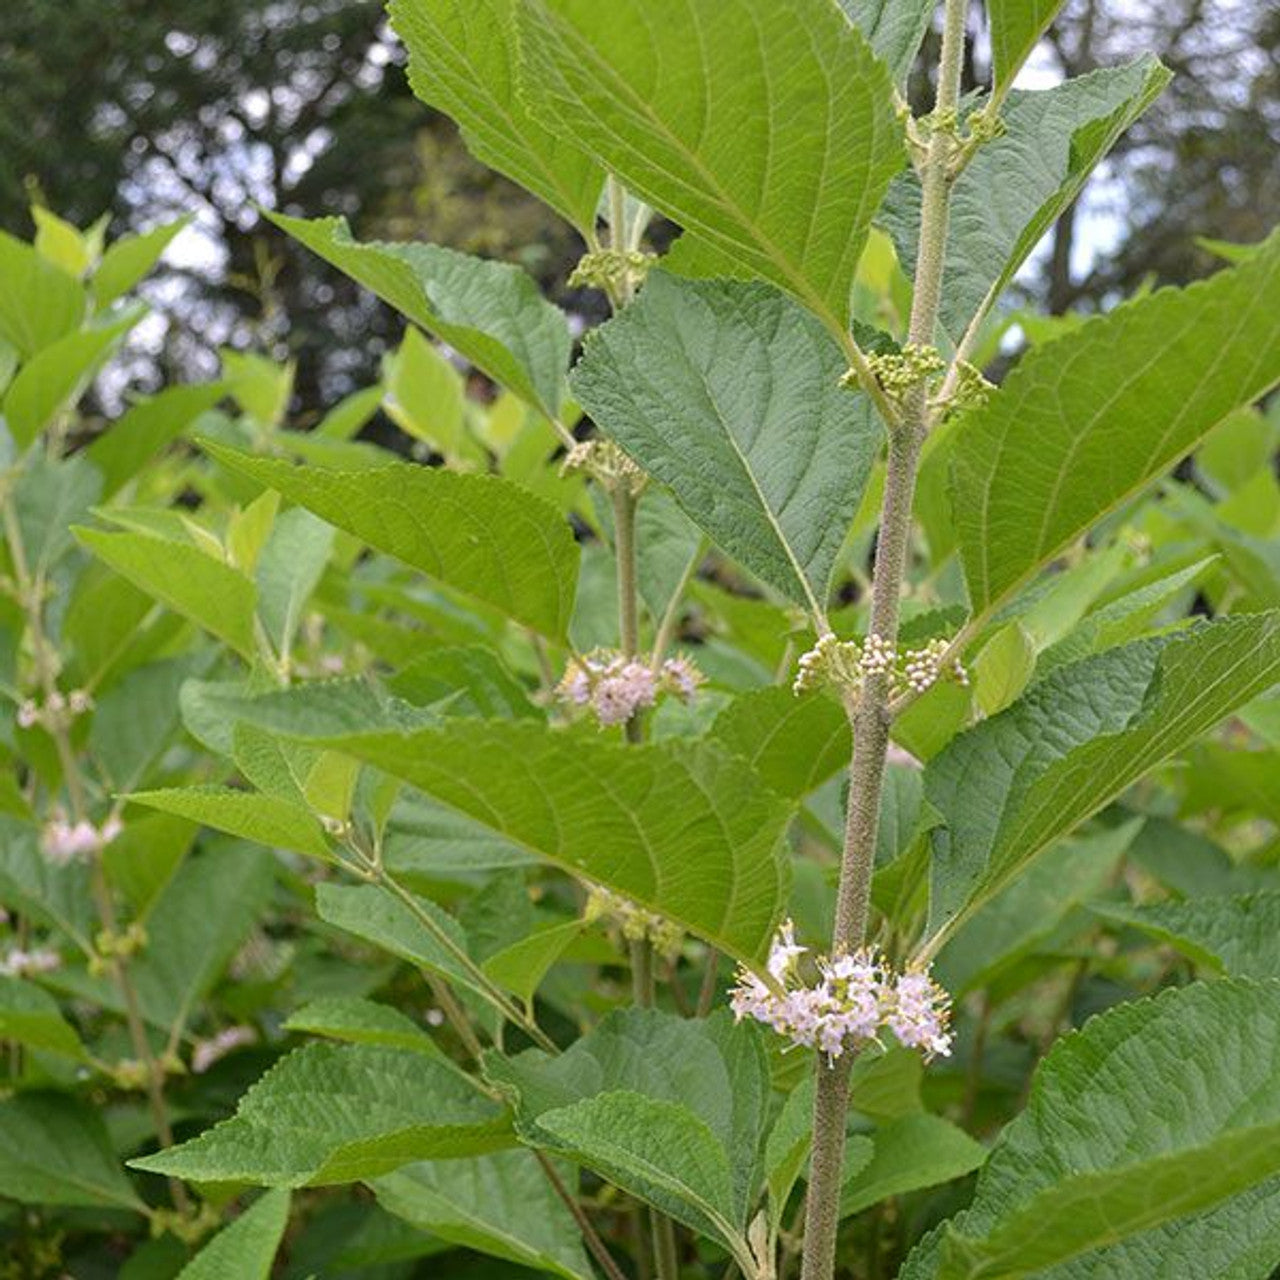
x=51 y=383
x=146 y=427
x=246 y=1249
x=54 y=1150
x=912 y=1152
x=30 y=1016
x=670 y=1109
x=328 y=1114
x=490 y=312
x=894 y=28
x=1239 y=936
x=661 y=104
x=264 y=819
x=685 y=830
x=1161 y=372
x=288 y=571
x=32 y=885
x=1090 y=1162
x=730 y=394
x=478 y=534
x=210 y=593
x=40 y=302
x=794 y=743
x=500 y=1204
x=521 y=967
x=130 y=258
x=462 y=61
x=424 y=397
x=1016 y=26
x=1003 y=667
x=1018 y=185
x=260 y=385
x=359 y=1021
x=469 y=680
x=1077 y=739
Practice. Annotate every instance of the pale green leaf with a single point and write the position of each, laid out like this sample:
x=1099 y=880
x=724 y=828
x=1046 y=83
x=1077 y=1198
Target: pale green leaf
x=894 y=28
x=185 y=579
x=490 y=312
x=521 y=966
x=55 y=1150
x=478 y=534
x=912 y=1152
x=501 y=1204
x=246 y=1249
x=264 y=819
x=51 y=383
x=424 y=398
x=1016 y=26
x=660 y=101
x=685 y=830
x=130 y=258
x=729 y=393
x=1121 y=1135
x=1003 y=668
x=30 y=1016
x=462 y=61
x=1102 y=411
x=288 y=571
x=1077 y=739
x=358 y=1021
x=1239 y=936
x=40 y=302
x=328 y=1114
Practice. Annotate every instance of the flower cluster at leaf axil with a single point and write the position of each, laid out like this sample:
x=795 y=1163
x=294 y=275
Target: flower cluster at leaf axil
x=57 y=711
x=634 y=922
x=845 y=664
x=64 y=842
x=849 y=1002
x=616 y=687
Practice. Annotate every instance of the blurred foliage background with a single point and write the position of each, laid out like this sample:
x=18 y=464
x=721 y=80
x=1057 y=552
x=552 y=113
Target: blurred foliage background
x=147 y=108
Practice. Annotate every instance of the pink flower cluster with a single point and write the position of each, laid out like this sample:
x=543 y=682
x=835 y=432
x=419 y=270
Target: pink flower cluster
x=616 y=687
x=16 y=963
x=63 y=841
x=207 y=1052
x=58 y=709
x=854 y=997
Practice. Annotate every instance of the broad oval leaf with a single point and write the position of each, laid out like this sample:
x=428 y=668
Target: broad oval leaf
x=480 y=535
x=729 y=393
x=660 y=99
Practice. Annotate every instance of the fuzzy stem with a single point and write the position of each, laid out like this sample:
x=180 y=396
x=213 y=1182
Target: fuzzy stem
x=870 y=715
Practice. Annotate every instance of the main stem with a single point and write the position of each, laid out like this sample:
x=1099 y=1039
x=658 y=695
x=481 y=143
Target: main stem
x=869 y=713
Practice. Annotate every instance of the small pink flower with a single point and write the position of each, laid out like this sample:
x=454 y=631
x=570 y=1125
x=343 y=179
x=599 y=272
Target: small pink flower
x=207 y=1052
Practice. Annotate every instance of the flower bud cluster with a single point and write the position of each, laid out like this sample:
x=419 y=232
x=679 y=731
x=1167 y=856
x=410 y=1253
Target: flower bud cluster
x=64 y=842
x=605 y=463
x=110 y=946
x=616 y=687
x=900 y=372
x=57 y=712
x=971 y=391
x=611 y=269
x=854 y=998
x=845 y=664
x=17 y=963
x=633 y=921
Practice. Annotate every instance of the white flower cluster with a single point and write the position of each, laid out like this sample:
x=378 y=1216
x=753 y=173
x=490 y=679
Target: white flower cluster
x=616 y=687
x=63 y=841
x=58 y=709
x=634 y=922
x=854 y=998
x=17 y=963
x=846 y=663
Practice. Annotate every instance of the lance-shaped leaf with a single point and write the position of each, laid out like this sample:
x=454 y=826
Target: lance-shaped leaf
x=355 y=1020
x=1238 y=935
x=1077 y=739
x=500 y=1204
x=30 y=1015
x=328 y=1114
x=490 y=312
x=1016 y=26
x=670 y=1109
x=894 y=28
x=186 y=579
x=462 y=61
x=1083 y=423
x=1018 y=185
x=659 y=98
x=684 y=829
x=728 y=392
x=1157 y=1110
x=480 y=535
x=40 y=302
x=246 y=1249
